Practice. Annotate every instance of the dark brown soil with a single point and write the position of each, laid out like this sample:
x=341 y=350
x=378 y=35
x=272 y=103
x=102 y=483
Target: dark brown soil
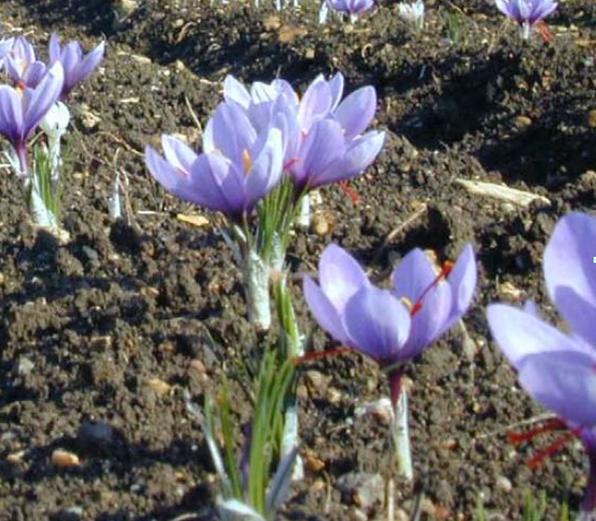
x=99 y=337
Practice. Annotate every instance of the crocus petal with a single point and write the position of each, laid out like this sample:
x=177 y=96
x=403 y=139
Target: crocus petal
x=430 y=321
x=361 y=152
x=266 y=170
x=412 y=276
x=11 y=114
x=235 y=91
x=519 y=334
x=340 y=276
x=218 y=183
x=42 y=98
x=378 y=324
x=336 y=86
x=54 y=50
x=323 y=144
x=356 y=111
x=164 y=173
x=315 y=103
x=570 y=272
x=462 y=280
x=35 y=73
x=232 y=132
x=88 y=64
x=177 y=153
x=325 y=313
x=563 y=382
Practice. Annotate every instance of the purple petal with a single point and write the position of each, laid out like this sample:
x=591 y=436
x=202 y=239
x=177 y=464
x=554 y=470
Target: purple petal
x=325 y=313
x=54 y=49
x=171 y=178
x=315 y=104
x=177 y=153
x=42 y=98
x=564 y=383
x=235 y=91
x=85 y=67
x=519 y=334
x=323 y=144
x=34 y=74
x=360 y=153
x=232 y=132
x=378 y=324
x=336 y=86
x=11 y=114
x=462 y=280
x=340 y=276
x=266 y=168
x=570 y=272
x=412 y=276
x=356 y=111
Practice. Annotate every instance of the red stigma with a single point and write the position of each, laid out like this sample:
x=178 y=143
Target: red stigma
x=443 y=274
x=317 y=355
x=291 y=162
x=349 y=191
x=551 y=425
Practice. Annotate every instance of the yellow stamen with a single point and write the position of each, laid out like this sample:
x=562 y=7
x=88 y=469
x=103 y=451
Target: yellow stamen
x=407 y=302
x=246 y=161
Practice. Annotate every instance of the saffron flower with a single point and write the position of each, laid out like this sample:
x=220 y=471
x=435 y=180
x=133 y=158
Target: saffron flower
x=21 y=65
x=556 y=368
x=352 y=7
x=412 y=12
x=77 y=66
x=391 y=326
x=21 y=110
x=237 y=168
x=322 y=134
x=526 y=13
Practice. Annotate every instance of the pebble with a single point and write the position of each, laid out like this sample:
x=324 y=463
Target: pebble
x=24 y=366
x=95 y=432
x=522 y=121
x=159 y=386
x=316 y=382
x=64 y=459
x=504 y=484
x=365 y=490
x=313 y=463
x=592 y=118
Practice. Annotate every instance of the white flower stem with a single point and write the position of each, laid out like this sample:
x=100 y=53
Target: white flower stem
x=256 y=284
x=401 y=437
x=42 y=215
x=303 y=219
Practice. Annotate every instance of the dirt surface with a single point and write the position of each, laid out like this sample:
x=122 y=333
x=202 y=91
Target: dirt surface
x=100 y=336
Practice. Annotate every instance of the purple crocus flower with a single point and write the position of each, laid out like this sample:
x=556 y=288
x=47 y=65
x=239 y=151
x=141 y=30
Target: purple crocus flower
x=21 y=110
x=556 y=368
x=351 y=7
x=238 y=165
x=526 y=13
x=21 y=64
x=323 y=135
x=391 y=326
x=77 y=66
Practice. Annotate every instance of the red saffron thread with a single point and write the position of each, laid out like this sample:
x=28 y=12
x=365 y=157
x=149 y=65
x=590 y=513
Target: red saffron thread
x=349 y=191
x=516 y=438
x=317 y=355
x=444 y=273
x=537 y=459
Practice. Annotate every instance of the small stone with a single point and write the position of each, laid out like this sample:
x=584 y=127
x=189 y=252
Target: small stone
x=16 y=457
x=522 y=122
x=309 y=54
x=592 y=118
x=139 y=58
x=316 y=382
x=318 y=485
x=401 y=515
x=357 y=515
x=64 y=459
x=102 y=342
x=504 y=484
x=510 y=292
x=88 y=118
x=313 y=463
x=1 y=279
x=272 y=23
x=364 y=490
x=198 y=366
x=159 y=386
x=90 y=253
x=24 y=366
x=333 y=395
x=322 y=223
x=95 y=433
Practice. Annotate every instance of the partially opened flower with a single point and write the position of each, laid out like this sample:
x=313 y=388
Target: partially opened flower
x=77 y=65
x=21 y=64
x=237 y=168
x=412 y=12
x=21 y=110
x=526 y=13
x=352 y=7
x=391 y=325
x=556 y=368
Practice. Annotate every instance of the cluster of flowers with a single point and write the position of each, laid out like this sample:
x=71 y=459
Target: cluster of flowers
x=526 y=13
x=34 y=97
